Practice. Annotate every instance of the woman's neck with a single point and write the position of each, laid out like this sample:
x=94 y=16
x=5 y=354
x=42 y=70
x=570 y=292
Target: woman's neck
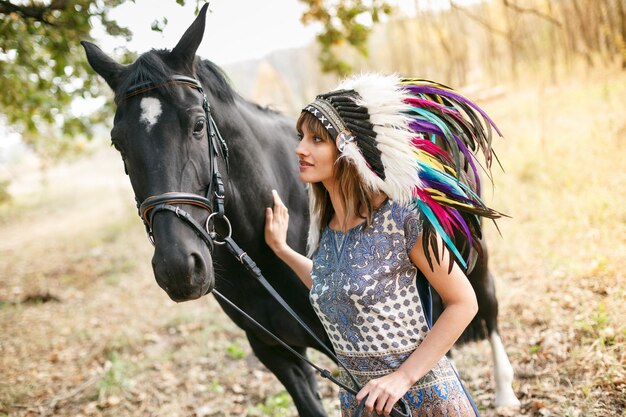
x=335 y=200
x=342 y=220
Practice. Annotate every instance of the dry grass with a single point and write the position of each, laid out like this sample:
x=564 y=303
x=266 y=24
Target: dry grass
x=559 y=261
x=113 y=344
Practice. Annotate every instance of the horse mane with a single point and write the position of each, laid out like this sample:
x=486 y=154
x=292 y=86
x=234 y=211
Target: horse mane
x=155 y=66
x=150 y=67
x=221 y=86
x=219 y=82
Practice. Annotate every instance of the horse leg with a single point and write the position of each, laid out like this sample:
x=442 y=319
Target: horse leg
x=296 y=375
x=484 y=285
x=503 y=373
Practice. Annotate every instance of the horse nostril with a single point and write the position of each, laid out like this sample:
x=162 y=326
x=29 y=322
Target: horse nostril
x=197 y=268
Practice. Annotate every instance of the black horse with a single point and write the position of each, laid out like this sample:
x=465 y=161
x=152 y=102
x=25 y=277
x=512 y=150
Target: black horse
x=160 y=130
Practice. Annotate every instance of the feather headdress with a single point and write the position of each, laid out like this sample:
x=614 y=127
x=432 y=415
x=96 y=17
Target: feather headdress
x=416 y=141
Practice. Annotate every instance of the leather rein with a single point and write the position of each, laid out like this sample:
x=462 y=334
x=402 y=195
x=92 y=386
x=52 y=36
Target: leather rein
x=213 y=202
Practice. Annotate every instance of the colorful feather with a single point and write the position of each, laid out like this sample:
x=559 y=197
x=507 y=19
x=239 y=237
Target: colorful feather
x=444 y=195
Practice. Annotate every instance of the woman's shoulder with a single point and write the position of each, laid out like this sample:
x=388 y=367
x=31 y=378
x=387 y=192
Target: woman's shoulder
x=394 y=215
x=403 y=211
x=405 y=220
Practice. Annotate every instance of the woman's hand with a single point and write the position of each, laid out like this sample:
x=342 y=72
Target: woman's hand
x=382 y=393
x=276 y=225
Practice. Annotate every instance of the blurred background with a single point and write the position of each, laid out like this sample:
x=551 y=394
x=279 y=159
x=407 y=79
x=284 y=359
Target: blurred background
x=85 y=330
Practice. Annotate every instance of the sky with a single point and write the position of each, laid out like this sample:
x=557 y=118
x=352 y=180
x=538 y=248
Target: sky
x=236 y=30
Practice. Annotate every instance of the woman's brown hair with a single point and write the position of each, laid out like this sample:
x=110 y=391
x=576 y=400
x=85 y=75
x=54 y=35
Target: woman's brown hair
x=357 y=199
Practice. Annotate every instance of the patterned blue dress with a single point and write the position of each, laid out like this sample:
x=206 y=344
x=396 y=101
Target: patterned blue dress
x=365 y=293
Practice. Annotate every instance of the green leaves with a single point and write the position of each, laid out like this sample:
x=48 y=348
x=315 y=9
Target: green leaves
x=44 y=69
x=344 y=22
x=159 y=25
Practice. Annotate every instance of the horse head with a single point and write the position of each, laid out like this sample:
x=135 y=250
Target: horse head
x=160 y=130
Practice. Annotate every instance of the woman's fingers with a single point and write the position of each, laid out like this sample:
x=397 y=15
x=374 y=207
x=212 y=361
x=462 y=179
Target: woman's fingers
x=376 y=401
x=279 y=207
x=380 y=398
x=372 y=393
x=277 y=200
x=269 y=217
x=276 y=223
x=276 y=196
x=383 y=403
x=385 y=407
x=363 y=393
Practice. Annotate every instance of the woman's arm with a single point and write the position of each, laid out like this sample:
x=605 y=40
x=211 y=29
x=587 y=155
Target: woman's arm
x=276 y=225
x=460 y=304
x=460 y=308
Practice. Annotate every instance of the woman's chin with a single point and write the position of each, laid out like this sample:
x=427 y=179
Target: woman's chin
x=306 y=178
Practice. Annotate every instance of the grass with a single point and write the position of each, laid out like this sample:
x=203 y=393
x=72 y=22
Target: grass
x=235 y=351
x=566 y=244
x=115 y=380
x=279 y=405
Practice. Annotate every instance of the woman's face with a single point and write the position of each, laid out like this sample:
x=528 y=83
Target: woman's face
x=317 y=157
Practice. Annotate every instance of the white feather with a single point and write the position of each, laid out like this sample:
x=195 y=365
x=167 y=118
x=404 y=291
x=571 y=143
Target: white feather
x=385 y=100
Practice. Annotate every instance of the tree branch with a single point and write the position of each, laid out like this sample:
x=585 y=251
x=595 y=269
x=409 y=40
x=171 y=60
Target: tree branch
x=537 y=13
x=32 y=12
x=477 y=19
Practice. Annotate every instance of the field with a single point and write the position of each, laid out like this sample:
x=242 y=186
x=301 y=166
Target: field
x=85 y=330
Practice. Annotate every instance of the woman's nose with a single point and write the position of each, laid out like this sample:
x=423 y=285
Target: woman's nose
x=301 y=149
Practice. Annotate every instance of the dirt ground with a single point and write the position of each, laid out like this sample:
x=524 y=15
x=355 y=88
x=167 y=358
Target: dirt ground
x=85 y=330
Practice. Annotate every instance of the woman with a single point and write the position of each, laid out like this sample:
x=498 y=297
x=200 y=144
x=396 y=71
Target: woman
x=385 y=203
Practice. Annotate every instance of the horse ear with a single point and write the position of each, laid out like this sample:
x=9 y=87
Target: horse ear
x=103 y=64
x=185 y=50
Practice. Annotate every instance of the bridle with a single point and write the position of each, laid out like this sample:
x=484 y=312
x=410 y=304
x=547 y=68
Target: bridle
x=213 y=202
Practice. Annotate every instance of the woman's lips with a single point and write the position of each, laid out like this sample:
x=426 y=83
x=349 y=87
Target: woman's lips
x=305 y=165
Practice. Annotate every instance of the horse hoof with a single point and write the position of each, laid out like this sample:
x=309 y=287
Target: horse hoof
x=506 y=399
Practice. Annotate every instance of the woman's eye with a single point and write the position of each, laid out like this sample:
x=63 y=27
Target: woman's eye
x=300 y=137
x=317 y=139
x=198 y=127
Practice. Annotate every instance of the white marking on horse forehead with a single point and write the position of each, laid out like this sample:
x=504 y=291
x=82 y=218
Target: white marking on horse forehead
x=150 y=111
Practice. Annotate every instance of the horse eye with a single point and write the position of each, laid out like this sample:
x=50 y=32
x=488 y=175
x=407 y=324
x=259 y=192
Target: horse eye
x=198 y=127
x=118 y=148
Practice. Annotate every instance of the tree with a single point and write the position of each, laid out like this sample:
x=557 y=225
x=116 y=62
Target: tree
x=44 y=68
x=345 y=22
